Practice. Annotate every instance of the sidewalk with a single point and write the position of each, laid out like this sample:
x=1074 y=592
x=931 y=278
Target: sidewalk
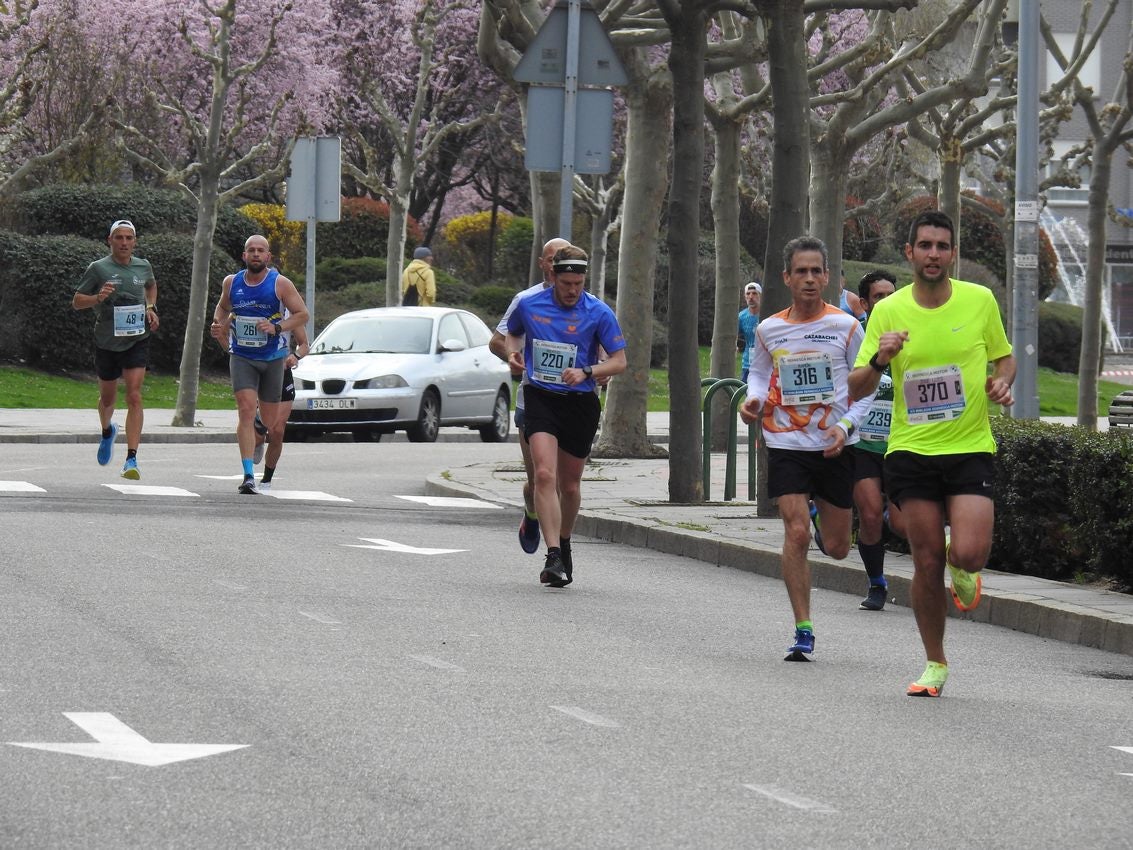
x=626 y=501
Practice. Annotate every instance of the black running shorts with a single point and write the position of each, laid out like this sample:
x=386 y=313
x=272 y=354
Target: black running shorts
x=795 y=471
x=571 y=417
x=935 y=477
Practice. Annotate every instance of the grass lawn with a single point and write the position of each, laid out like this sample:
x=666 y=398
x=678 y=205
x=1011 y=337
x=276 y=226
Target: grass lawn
x=27 y=388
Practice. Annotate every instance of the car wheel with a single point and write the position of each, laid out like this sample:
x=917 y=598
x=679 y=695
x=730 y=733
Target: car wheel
x=428 y=420
x=363 y=435
x=497 y=430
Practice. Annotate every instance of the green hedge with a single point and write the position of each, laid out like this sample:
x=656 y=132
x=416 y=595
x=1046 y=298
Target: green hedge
x=1060 y=336
x=493 y=299
x=88 y=211
x=38 y=275
x=1064 y=502
x=336 y=273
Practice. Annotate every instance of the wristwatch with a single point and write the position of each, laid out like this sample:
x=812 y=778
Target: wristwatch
x=588 y=371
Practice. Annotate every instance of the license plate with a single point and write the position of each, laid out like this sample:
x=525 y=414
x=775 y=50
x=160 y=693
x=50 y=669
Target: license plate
x=331 y=403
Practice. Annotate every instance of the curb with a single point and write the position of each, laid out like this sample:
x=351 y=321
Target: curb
x=1020 y=611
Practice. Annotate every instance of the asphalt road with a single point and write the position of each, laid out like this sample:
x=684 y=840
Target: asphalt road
x=384 y=696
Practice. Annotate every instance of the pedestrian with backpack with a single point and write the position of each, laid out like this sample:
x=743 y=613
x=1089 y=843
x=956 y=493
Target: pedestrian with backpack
x=418 y=283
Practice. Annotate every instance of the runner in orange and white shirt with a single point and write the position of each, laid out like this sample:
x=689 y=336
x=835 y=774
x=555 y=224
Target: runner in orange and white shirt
x=798 y=385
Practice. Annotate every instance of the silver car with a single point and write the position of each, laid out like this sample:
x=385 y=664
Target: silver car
x=373 y=372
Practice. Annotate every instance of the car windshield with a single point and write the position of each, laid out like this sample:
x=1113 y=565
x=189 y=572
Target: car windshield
x=376 y=335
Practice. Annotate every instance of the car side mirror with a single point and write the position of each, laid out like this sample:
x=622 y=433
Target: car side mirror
x=453 y=345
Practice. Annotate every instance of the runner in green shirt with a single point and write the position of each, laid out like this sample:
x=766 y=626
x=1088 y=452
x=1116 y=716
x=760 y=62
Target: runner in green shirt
x=869 y=478
x=123 y=294
x=938 y=336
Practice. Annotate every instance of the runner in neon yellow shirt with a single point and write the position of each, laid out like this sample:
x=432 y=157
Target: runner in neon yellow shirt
x=937 y=336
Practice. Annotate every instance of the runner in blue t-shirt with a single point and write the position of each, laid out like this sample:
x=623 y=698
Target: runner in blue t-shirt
x=748 y=319
x=554 y=337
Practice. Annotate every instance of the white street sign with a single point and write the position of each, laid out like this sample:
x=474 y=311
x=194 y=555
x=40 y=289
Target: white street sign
x=118 y=742
x=390 y=546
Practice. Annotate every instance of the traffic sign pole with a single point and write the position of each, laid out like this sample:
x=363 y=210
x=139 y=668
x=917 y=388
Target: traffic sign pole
x=570 y=118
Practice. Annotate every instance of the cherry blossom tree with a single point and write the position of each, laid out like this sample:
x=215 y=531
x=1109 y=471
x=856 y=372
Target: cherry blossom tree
x=51 y=101
x=411 y=82
x=235 y=81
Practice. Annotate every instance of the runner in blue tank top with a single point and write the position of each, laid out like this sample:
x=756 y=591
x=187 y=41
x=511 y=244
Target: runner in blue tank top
x=257 y=308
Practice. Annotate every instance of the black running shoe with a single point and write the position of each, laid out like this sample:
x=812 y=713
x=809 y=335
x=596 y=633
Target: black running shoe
x=568 y=561
x=248 y=487
x=875 y=599
x=554 y=573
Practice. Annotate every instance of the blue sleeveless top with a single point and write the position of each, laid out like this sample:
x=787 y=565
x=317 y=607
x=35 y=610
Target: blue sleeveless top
x=250 y=304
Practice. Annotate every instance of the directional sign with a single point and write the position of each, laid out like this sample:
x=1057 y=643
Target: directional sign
x=391 y=546
x=593 y=130
x=118 y=742
x=544 y=61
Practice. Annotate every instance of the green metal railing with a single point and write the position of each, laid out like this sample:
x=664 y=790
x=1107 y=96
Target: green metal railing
x=739 y=393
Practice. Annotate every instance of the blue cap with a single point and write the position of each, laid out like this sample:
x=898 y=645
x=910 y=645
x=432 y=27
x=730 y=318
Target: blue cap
x=421 y=253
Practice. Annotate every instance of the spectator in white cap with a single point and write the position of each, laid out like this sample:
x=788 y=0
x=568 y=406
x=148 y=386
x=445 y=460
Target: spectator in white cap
x=418 y=283
x=749 y=318
x=123 y=294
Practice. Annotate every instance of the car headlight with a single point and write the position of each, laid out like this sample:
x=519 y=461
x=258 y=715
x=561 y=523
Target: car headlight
x=385 y=382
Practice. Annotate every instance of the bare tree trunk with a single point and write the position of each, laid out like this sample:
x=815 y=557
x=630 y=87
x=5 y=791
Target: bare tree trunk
x=398 y=220
x=686 y=62
x=545 y=194
x=1090 y=355
x=948 y=195
x=185 y=414
x=597 y=267
x=829 y=174
x=649 y=100
x=787 y=64
x=726 y=218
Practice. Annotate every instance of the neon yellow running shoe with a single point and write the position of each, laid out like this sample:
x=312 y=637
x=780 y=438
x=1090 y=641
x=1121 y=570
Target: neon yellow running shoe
x=931 y=682
x=966 y=588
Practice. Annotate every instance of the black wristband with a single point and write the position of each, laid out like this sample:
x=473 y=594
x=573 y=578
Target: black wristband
x=873 y=364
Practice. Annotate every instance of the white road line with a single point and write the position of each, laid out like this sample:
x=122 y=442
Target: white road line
x=587 y=716
x=151 y=490
x=451 y=502
x=222 y=477
x=230 y=585
x=792 y=800
x=438 y=663
x=20 y=487
x=319 y=618
x=308 y=495
x=381 y=545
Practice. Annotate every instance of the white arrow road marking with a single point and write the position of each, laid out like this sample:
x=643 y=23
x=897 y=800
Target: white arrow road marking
x=437 y=662
x=792 y=800
x=391 y=546
x=20 y=487
x=586 y=716
x=452 y=502
x=151 y=490
x=309 y=495
x=118 y=742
